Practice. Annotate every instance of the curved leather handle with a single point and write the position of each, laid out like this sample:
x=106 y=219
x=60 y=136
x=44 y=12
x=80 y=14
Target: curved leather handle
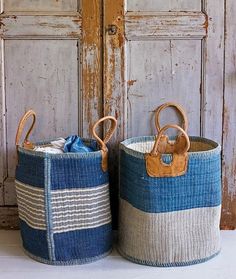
x=108 y=136
x=178 y=108
x=26 y=116
x=155 y=150
x=157 y=168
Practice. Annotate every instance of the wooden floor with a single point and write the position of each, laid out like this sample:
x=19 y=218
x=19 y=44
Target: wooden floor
x=15 y=265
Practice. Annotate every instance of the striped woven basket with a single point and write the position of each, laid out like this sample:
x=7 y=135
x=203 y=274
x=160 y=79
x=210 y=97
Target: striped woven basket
x=170 y=198
x=63 y=201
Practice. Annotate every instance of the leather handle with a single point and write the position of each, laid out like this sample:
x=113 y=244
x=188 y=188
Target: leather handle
x=108 y=136
x=154 y=164
x=24 y=119
x=178 y=108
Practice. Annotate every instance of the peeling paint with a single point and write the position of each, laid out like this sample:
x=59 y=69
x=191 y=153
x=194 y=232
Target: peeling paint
x=131 y=82
x=91 y=60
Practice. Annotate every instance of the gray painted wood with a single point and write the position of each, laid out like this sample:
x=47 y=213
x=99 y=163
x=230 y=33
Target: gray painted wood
x=40 y=26
x=40 y=5
x=213 y=71
x=164 y=25
x=229 y=132
x=40 y=70
x=166 y=5
x=164 y=71
x=46 y=81
x=2 y=123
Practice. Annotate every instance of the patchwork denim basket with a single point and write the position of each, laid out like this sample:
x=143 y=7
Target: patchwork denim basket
x=63 y=201
x=170 y=198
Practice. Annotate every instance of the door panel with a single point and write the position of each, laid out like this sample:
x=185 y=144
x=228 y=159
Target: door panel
x=164 y=51
x=166 y=70
x=40 y=5
x=50 y=54
x=45 y=83
x=160 y=5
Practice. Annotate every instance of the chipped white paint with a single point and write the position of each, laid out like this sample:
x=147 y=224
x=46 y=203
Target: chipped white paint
x=40 y=26
x=158 y=25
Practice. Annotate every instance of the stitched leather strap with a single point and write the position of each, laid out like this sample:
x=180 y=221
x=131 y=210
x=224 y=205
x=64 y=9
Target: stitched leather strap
x=178 y=108
x=27 y=144
x=102 y=143
x=154 y=164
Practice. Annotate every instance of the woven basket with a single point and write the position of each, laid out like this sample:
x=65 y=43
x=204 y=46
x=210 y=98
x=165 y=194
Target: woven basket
x=170 y=198
x=63 y=201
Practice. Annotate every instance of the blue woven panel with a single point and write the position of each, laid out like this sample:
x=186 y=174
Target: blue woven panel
x=69 y=173
x=83 y=244
x=30 y=170
x=199 y=187
x=34 y=241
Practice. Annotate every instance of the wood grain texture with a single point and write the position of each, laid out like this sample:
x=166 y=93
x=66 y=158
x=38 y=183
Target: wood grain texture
x=159 y=25
x=229 y=129
x=92 y=107
x=12 y=26
x=114 y=87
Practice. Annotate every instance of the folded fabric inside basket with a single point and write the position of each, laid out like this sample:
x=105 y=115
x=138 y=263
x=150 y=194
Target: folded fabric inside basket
x=75 y=144
x=55 y=147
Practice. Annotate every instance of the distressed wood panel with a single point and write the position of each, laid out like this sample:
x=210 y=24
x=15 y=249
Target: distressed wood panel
x=40 y=5
x=167 y=70
x=53 y=26
x=166 y=5
x=213 y=71
x=114 y=87
x=92 y=87
x=2 y=122
x=43 y=75
x=229 y=136
x=56 y=57
x=165 y=25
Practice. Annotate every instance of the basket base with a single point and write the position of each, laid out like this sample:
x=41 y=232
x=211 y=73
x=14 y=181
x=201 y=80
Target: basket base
x=72 y=262
x=174 y=264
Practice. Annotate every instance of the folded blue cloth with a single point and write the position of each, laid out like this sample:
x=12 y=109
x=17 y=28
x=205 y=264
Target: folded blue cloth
x=75 y=144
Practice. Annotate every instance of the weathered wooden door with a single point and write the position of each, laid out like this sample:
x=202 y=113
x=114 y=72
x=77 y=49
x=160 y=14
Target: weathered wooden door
x=154 y=51
x=50 y=61
x=173 y=50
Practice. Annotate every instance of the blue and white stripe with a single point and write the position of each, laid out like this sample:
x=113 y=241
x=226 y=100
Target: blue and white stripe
x=72 y=209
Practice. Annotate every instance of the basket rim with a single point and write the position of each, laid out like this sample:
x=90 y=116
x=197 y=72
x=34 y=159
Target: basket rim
x=84 y=155
x=124 y=145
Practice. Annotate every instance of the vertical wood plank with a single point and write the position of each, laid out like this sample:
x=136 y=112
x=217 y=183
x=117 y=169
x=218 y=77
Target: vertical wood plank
x=229 y=129
x=114 y=85
x=212 y=70
x=91 y=64
x=2 y=123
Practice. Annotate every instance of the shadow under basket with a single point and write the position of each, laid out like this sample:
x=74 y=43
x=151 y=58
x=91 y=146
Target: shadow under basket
x=170 y=221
